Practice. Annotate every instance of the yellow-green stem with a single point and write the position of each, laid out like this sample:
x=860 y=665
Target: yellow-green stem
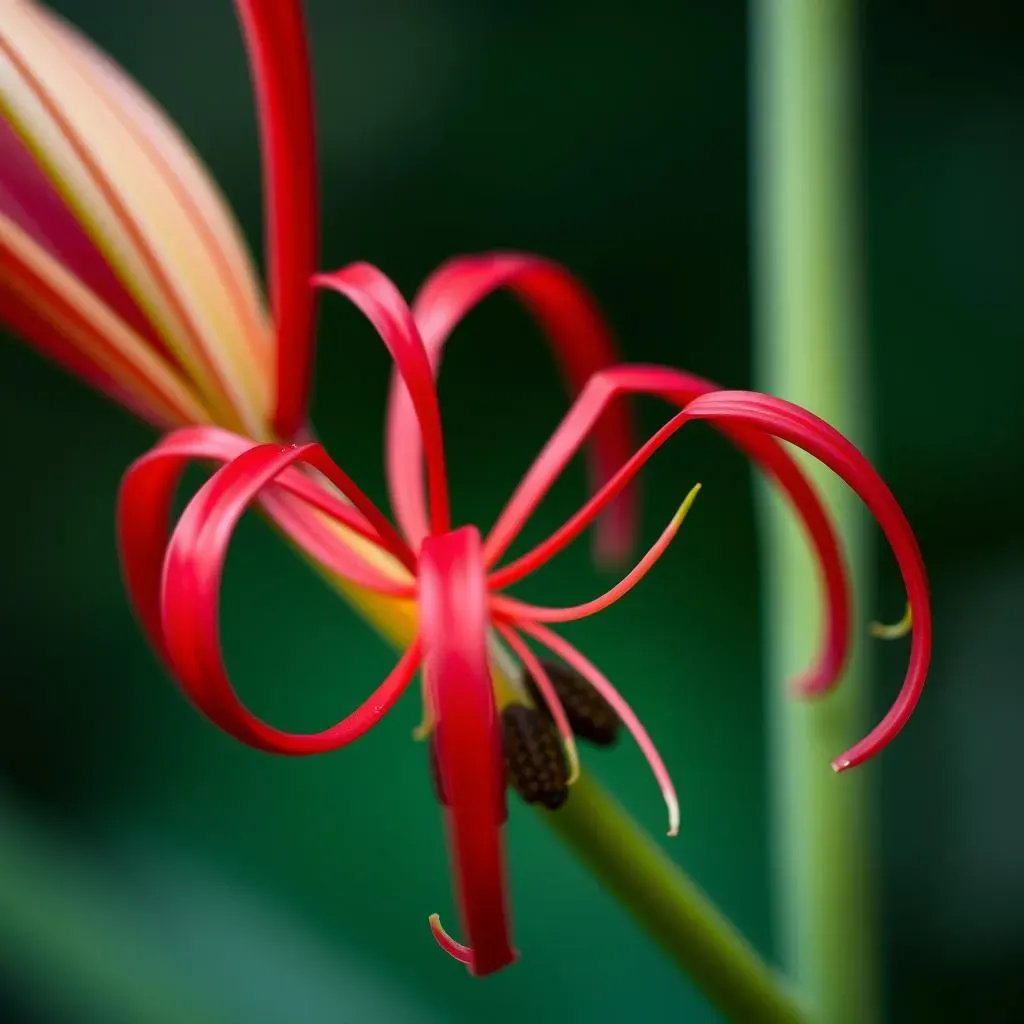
x=809 y=349
x=671 y=908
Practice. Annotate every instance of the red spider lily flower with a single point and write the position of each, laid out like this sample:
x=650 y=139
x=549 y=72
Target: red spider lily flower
x=457 y=579
x=120 y=260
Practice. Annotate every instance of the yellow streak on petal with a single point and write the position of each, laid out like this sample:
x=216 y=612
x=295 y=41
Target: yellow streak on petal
x=106 y=340
x=172 y=152
x=182 y=161
x=133 y=209
x=895 y=630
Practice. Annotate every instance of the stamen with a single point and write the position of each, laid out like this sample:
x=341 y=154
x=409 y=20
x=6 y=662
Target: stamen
x=592 y=718
x=790 y=423
x=577 y=660
x=534 y=758
x=540 y=613
x=894 y=630
x=546 y=695
x=454 y=949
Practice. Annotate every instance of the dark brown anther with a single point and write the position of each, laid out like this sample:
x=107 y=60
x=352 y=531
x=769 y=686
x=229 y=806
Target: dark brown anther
x=592 y=718
x=534 y=757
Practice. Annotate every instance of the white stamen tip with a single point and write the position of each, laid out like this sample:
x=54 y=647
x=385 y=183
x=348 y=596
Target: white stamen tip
x=673 y=815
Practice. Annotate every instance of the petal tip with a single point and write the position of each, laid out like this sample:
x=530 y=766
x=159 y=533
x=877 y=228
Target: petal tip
x=894 y=630
x=454 y=949
x=813 y=685
x=572 y=758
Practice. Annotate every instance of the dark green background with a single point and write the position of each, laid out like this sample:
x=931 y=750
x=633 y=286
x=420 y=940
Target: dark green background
x=146 y=846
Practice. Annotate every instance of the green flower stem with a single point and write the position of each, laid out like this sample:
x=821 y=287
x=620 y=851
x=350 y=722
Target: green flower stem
x=670 y=907
x=809 y=333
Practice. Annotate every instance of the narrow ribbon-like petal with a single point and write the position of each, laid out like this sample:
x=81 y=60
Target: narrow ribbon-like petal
x=760 y=415
x=144 y=508
x=825 y=443
x=676 y=388
x=382 y=304
x=275 y=36
x=453 y=625
x=190 y=599
x=582 y=345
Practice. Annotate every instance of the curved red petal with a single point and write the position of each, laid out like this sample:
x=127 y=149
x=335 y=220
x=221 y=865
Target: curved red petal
x=319 y=542
x=190 y=604
x=381 y=302
x=456 y=950
x=387 y=536
x=825 y=443
x=582 y=345
x=453 y=625
x=275 y=38
x=677 y=388
x=144 y=508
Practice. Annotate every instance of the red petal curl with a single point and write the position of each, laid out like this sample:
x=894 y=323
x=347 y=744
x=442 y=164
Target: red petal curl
x=582 y=345
x=381 y=302
x=677 y=388
x=190 y=604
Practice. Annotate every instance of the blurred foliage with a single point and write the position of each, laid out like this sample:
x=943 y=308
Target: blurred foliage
x=614 y=139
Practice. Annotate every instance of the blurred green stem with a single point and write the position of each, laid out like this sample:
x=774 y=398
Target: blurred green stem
x=809 y=350
x=77 y=946
x=671 y=908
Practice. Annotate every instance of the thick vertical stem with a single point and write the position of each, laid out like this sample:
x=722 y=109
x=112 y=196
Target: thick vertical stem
x=809 y=349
